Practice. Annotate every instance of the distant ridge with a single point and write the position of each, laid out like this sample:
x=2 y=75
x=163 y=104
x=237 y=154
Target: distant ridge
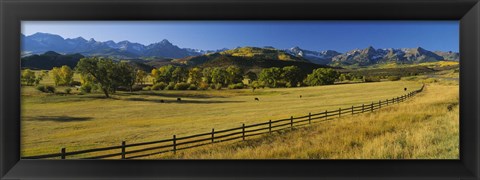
x=249 y=58
x=50 y=59
x=39 y=43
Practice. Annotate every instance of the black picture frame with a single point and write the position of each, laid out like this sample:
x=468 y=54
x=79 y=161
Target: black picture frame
x=12 y=12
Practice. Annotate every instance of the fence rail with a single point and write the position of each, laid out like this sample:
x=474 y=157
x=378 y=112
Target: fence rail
x=175 y=144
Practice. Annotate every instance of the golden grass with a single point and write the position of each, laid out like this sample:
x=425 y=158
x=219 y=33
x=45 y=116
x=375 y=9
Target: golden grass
x=79 y=122
x=425 y=127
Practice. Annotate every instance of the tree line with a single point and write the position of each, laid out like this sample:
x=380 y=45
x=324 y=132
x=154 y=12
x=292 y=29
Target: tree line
x=108 y=76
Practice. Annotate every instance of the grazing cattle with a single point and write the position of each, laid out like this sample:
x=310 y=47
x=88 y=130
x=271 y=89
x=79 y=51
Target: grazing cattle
x=300 y=96
x=162 y=101
x=405 y=89
x=179 y=99
x=256 y=99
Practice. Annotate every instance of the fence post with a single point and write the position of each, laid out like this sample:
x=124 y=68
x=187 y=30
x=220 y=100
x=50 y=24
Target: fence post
x=174 y=144
x=339 y=112
x=326 y=114
x=352 y=110
x=63 y=153
x=123 y=149
x=309 y=118
x=387 y=102
x=371 y=107
x=243 y=131
x=380 y=104
x=270 y=126
x=291 y=122
x=213 y=135
x=363 y=108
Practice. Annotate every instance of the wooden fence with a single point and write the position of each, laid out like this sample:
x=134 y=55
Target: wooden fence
x=144 y=149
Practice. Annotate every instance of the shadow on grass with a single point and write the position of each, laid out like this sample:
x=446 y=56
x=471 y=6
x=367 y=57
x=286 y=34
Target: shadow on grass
x=180 y=102
x=58 y=118
x=175 y=95
x=71 y=98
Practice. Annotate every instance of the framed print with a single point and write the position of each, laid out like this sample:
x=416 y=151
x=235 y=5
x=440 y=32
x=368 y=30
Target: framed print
x=239 y=89
x=217 y=102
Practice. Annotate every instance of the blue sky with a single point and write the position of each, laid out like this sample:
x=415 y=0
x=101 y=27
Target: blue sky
x=312 y=35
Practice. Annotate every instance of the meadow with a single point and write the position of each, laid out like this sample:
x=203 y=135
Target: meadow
x=425 y=127
x=50 y=122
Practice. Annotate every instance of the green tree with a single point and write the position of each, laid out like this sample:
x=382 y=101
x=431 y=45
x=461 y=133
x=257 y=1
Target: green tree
x=345 y=77
x=125 y=74
x=179 y=74
x=321 y=76
x=154 y=75
x=55 y=75
x=234 y=75
x=141 y=77
x=292 y=75
x=164 y=74
x=219 y=76
x=44 y=73
x=195 y=76
x=270 y=76
x=207 y=75
x=103 y=72
x=62 y=76
x=28 y=77
x=66 y=73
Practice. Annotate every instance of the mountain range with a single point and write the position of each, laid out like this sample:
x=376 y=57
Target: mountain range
x=165 y=52
x=317 y=57
x=371 y=56
x=39 y=43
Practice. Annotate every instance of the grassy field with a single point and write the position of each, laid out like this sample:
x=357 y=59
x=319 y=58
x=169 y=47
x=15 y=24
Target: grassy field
x=425 y=127
x=77 y=122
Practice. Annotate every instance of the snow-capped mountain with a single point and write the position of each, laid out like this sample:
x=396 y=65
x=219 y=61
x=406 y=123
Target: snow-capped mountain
x=42 y=42
x=317 y=57
x=205 y=51
x=370 y=55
